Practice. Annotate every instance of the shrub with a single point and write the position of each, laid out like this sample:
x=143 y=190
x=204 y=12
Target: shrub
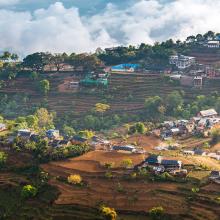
x=86 y=134
x=74 y=179
x=195 y=190
x=108 y=213
x=139 y=127
x=3 y=158
x=126 y=163
x=218 y=200
x=28 y=191
x=109 y=165
x=156 y=212
x=120 y=188
x=133 y=175
x=108 y=175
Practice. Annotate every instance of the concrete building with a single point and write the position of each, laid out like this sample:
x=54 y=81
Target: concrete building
x=181 y=61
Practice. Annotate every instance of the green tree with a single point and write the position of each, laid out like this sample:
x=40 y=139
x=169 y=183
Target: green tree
x=36 y=61
x=6 y=56
x=156 y=212
x=44 y=86
x=3 y=158
x=153 y=106
x=173 y=101
x=68 y=131
x=108 y=213
x=34 y=75
x=127 y=163
x=86 y=134
x=32 y=121
x=28 y=191
x=58 y=60
x=138 y=127
x=101 y=108
x=45 y=119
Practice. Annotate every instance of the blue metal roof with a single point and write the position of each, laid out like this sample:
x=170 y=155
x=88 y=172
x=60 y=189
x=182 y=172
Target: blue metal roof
x=125 y=66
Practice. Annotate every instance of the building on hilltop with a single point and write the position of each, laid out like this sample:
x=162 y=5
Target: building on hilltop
x=181 y=61
x=212 y=44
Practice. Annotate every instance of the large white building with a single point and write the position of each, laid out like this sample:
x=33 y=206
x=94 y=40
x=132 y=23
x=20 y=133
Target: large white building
x=181 y=61
x=213 y=44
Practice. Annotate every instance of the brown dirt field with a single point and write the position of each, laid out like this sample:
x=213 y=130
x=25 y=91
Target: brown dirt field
x=81 y=165
x=93 y=161
x=103 y=157
x=212 y=188
x=216 y=147
x=138 y=195
x=105 y=190
x=147 y=142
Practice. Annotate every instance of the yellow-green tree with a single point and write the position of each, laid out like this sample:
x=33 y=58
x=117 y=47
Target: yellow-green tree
x=127 y=163
x=108 y=213
x=101 y=108
x=74 y=179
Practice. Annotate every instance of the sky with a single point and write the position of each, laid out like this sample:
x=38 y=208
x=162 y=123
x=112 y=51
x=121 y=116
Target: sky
x=28 y=26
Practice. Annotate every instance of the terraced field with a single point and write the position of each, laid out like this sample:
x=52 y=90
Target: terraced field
x=126 y=93
x=134 y=195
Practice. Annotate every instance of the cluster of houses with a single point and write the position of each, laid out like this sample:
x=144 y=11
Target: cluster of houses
x=158 y=165
x=201 y=124
x=56 y=140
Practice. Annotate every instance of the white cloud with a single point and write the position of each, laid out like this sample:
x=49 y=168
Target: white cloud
x=59 y=29
x=8 y=2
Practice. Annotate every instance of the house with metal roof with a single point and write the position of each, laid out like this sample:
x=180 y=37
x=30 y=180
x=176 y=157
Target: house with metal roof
x=53 y=134
x=153 y=160
x=171 y=164
x=128 y=148
x=208 y=113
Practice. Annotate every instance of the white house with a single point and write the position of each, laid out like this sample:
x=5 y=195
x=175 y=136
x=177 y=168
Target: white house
x=181 y=61
x=208 y=113
x=213 y=44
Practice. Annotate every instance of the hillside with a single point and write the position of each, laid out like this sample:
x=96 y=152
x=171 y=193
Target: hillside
x=126 y=92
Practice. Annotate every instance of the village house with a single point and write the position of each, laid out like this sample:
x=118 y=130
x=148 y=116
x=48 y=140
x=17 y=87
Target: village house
x=158 y=164
x=60 y=143
x=188 y=152
x=207 y=113
x=53 y=134
x=212 y=44
x=153 y=160
x=198 y=81
x=24 y=134
x=78 y=140
x=214 y=174
x=181 y=61
x=128 y=148
x=171 y=164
